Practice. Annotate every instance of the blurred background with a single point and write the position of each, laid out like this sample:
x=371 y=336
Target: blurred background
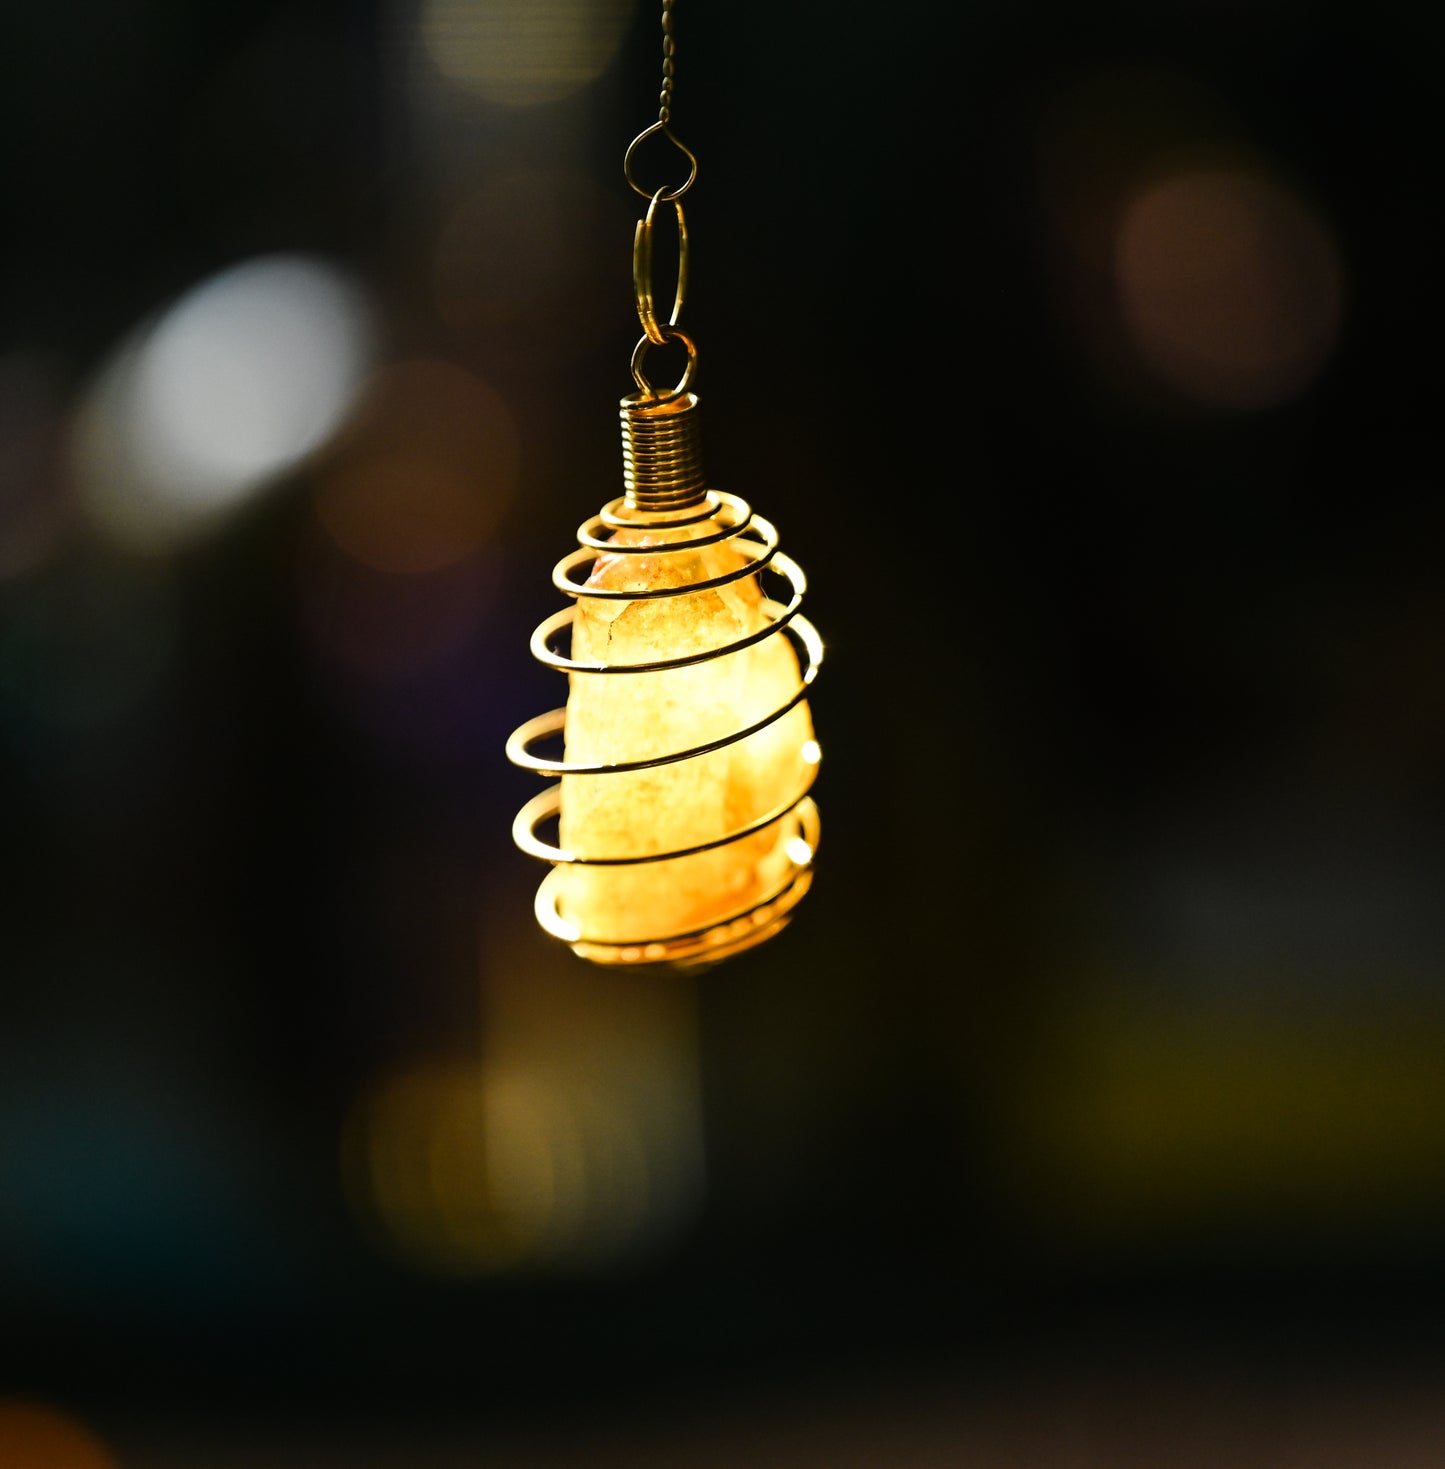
x=1092 y=1111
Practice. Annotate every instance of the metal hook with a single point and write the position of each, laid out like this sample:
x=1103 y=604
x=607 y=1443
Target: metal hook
x=671 y=334
x=667 y=196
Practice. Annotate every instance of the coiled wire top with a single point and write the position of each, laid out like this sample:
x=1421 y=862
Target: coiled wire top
x=662 y=453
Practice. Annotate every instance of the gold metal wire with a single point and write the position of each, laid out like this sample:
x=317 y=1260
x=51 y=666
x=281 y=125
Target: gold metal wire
x=669 y=51
x=662 y=450
x=549 y=725
x=639 y=354
x=664 y=119
x=667 y=195
x=730 y=935
x=642 y=270
x=665 y=491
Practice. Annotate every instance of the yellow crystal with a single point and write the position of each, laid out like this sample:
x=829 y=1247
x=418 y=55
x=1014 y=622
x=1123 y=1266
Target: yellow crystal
x=623 y=717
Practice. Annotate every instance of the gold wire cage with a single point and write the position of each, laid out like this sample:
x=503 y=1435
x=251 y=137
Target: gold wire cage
x=727 y=854
x=666 y=496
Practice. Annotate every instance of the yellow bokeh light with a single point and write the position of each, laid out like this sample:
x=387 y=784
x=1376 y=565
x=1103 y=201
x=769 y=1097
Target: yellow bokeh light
x=456 y=1167
x=486 y=1168
x=521 y=52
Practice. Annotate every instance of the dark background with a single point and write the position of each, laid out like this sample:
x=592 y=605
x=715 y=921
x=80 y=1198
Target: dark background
x=1092 y=1111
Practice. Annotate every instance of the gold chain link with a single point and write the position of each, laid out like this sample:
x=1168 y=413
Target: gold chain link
x=642 y=270
x=655 y=333
x=669 y=50
x=664 y=120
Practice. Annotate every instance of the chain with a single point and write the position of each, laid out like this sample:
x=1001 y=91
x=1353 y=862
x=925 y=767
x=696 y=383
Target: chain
x=669 y=50
x=663 y=124
x=655 y=333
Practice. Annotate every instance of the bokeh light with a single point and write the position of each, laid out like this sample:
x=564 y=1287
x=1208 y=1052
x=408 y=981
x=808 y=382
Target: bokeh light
x=1229 y=286
x=519 y=53
x=233 y=385
x=481 y=1169
x=37 y=1436
x=455 y=1168
x=572 y=1143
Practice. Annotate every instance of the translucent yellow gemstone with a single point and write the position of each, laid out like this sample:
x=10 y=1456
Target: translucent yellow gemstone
x=622 y=717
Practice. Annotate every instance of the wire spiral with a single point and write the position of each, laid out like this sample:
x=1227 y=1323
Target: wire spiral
x=662 y=455
x=669 y=515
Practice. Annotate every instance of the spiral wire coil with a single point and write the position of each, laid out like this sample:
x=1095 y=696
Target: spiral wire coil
x=662 y=456
x=665 y=491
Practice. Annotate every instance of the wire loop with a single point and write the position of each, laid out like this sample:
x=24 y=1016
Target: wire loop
x=639 y=353
x=665 y=194
x=547 y=726
x=642 y=269
x=729 y=935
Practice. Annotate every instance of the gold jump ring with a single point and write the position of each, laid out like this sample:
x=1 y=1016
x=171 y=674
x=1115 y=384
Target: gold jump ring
x=642 y=269
x=639 y=352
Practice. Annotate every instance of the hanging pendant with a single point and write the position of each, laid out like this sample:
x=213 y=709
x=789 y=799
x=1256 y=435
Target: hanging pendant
x=686 y=829
x=685 y=832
